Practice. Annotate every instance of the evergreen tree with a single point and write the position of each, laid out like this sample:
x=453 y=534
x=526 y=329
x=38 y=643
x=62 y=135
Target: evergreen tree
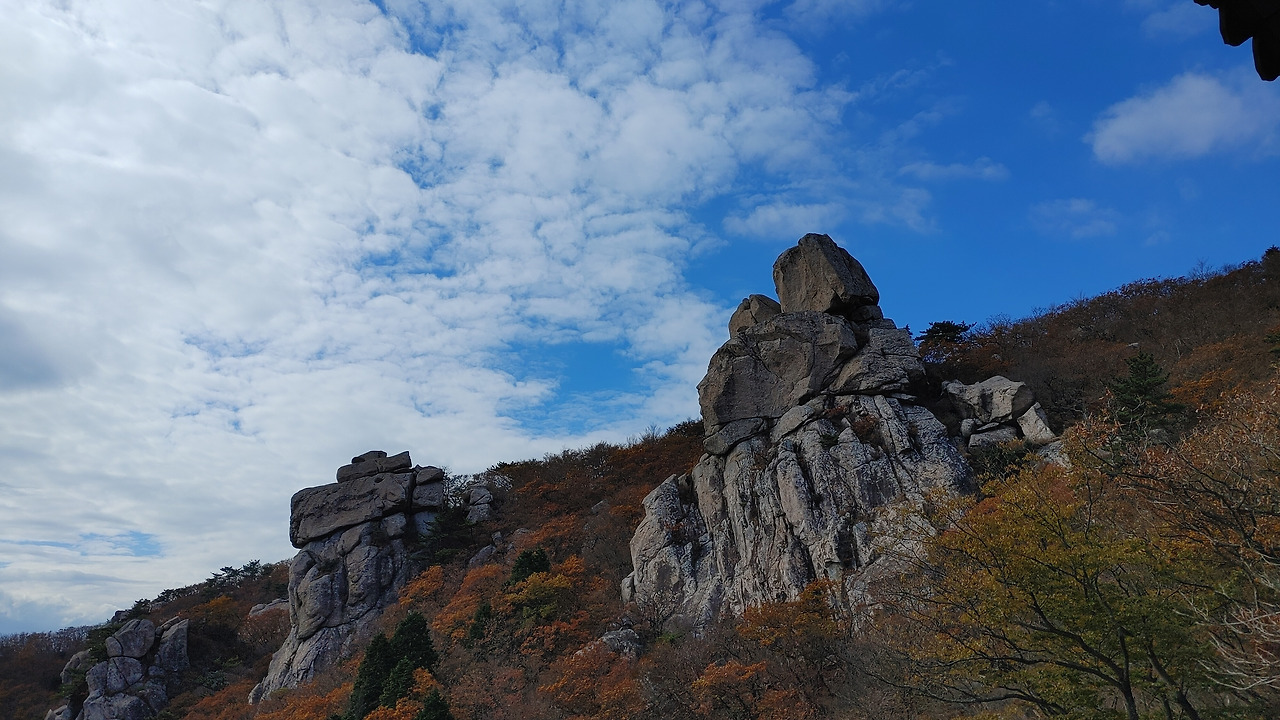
x=412 y=641
x=528 y=563
x=1140 y=401
x=374 y=670
x=434 y=707
x=398 y=684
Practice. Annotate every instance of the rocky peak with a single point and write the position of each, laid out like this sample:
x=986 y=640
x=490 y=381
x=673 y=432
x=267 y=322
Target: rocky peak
x=135 y=680
x=812 y=441
x=353 y=539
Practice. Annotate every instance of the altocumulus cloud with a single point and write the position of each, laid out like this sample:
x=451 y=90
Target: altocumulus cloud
x=244 y=240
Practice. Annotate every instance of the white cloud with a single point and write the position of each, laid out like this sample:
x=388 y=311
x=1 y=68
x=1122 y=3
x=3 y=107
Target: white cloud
x=1179 y=20
x=1077 y=218
x=981 y=169
x=780 y=220
x=1194 y=115
x=243 y=242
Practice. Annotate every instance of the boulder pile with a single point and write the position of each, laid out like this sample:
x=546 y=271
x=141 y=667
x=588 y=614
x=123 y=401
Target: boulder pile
x=999 y=410
x=134 y=682
x=354 y=538
x=811 y=435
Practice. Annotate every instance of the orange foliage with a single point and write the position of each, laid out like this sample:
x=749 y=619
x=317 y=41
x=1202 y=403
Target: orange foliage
x=227 y=704
x=596 y=683
x=794 y=624
x=303 y=705
x=479 y=584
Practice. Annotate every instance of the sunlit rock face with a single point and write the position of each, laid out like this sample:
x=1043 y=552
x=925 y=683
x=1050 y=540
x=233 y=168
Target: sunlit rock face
x=354 y=538
x=815 y=452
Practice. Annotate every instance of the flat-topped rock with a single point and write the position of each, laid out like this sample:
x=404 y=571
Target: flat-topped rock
x=320 y=511
x=373 y=463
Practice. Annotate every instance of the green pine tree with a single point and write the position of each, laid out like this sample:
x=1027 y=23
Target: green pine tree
x=412 y=641
x=528 y=563
x=374 y=670
x=434 y=707
x=1139 y=400
x=398 y=684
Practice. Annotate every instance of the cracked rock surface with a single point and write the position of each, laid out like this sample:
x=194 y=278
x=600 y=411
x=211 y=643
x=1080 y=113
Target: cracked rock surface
x=814 y=452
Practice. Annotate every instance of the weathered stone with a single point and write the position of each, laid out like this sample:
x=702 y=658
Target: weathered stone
x=320 y=511
x=752 y=311
x=623 y=642
x=133 y=640
x=373 y=463
x=1035 y=426
x=428 y=495
x=153 y=694
x=769 y=368
x=171 y=655
x=821 y=276
x=967 y=427
x=482 y=556
x=263 y=608
x=78 y=662
x=123 y=672
x=753 y=532
x=1056 y=454
x=352 y=562
x=96 y=679
x=889 y=363
x=1000 y=434
x=723 y=439
x=996 y=399
x=61 y=713
x=790 y=421
x=115 y=707
x=479 y=495
x=479 y=513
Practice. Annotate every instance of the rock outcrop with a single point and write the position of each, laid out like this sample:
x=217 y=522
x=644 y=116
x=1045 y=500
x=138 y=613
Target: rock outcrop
x=999 y=410
x=134 y=682
x=354 y=539
x=812 y=441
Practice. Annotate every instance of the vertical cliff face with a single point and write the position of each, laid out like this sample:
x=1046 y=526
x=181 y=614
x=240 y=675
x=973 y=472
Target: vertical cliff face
x=354 y=538
x=814 y=446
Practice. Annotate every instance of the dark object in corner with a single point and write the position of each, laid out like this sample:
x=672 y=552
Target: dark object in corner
x=1240 y=20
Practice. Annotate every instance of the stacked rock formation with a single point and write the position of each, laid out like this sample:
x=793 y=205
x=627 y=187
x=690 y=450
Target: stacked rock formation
x=134 y=681
x=811 y=437
x=999 y=410
x=354 y=539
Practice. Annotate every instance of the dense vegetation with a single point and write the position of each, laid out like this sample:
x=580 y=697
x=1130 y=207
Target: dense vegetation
x=1141 y=582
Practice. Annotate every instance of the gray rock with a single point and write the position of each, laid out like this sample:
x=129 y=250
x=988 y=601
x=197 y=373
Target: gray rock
x=373 y=463
x=769 y=368
x=751 y=311
x=96 y=679
x=479 y=495
x=133 y=640
x=723 y=439
x=996 y=399
x=78 y=662
x=821 y=276
x=171 y=655
x=479 y=513
x=320 y=511
x=888 y=364
x=768 y=518
x=123 y=672
x=352 y=561
x=967 y=427
x=482 y=556
x=61 y=713
x=1000 y=434
x=115 y=707
x=623 y=642
x=1056 y=454
x=1035 y=426
x=153 y=694
x=790 y=421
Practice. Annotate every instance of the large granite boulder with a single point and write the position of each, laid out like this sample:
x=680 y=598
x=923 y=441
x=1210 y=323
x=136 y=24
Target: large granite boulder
x=768 y=368
x=354 y=539
x=821 y=276
x=996 y=399
x=815 y=451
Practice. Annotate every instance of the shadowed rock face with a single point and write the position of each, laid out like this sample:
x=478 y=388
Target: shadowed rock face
x=354 y=539
x=135 y=680
x=814 y=450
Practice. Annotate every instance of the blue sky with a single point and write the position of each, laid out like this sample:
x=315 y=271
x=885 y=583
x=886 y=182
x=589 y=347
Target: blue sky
x=242 y=241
